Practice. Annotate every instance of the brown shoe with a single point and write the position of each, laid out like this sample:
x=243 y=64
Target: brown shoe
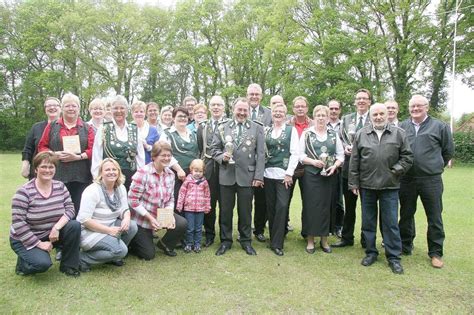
x=437 y=262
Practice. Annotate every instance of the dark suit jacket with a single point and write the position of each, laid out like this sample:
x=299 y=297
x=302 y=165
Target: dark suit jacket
x=264 y=115
x=249 y=153
x=346 y=137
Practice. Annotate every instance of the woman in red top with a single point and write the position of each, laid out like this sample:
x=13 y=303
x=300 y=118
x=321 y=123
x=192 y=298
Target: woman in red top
x=71 y=140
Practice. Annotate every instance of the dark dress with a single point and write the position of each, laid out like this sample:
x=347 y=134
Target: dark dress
x=31 y=144
x=319 y=190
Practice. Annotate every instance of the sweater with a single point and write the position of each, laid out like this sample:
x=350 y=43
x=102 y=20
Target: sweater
x=194 y=195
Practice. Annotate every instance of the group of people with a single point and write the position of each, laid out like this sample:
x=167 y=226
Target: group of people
x=182 y=160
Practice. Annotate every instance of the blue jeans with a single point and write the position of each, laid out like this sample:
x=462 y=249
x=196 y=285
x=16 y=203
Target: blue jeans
x=109 y=248
x=194 y=228
x=388 y=202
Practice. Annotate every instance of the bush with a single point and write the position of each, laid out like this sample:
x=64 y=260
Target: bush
x=464 y=142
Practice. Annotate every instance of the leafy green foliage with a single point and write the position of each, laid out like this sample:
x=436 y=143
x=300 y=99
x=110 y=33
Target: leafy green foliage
x=464 y=142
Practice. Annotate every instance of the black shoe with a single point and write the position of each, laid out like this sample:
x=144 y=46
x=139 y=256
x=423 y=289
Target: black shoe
x=70 y=272
x=260 y=237
x=368 y=260
x=166 y=250
x=59 y=255
x=249 y=250
x=117 y=263
x=18 y=270
x=327 y=250
x=222 y=249
x=406 y=252
x=187 y=249
x=343 y=243
x=310 y=250
x=396 y=267
x=84 y=268
x=209 y=242
x=277 y=251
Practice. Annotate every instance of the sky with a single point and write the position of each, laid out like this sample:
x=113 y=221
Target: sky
x=463 y=95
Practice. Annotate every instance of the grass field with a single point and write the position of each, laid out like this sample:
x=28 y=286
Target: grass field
x=237 y=283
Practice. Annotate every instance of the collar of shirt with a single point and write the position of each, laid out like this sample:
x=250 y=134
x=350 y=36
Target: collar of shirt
x=118 y=127
x=418 y=125
x=364 y=117
x=61 y=122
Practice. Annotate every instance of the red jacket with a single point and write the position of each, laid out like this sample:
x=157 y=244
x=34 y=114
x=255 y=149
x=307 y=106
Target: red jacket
x=194 y=195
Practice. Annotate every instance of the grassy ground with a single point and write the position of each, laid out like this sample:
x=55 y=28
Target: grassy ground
x=237 y=283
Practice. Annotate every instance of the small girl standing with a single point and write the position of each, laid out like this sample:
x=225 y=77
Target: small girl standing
x=194 y=199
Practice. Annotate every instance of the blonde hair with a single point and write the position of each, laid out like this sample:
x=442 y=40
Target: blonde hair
x=97 y=102
x=199 y=106
x=320 y=108
x=138 y=104
x=197 y=164
x=279 y=105
x=70 y=98
x=121 y=178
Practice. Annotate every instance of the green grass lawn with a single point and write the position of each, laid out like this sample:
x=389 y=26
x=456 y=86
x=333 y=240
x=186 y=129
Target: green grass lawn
x=237 y=283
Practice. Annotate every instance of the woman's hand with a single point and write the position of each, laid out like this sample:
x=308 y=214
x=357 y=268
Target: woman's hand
x=125 y=225
x=46 y=246
x=318 y=163
x=114 y=231
x=54 y=235
x=348 y=150
x=25 y=168
x=154 y=223
x=331 y=170
x=288 y=181
x=68 y=157
x=172 y=223
x=181 y=175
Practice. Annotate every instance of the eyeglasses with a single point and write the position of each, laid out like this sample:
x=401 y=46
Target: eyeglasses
x=181 y=116
x=417 y=105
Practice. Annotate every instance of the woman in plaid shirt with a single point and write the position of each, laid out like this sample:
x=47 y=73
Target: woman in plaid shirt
x=152 y=188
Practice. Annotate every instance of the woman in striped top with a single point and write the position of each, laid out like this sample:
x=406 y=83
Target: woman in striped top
x=42 y=218
x=106 y=226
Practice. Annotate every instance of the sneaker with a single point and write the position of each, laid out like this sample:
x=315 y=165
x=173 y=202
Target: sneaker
x=187 y=249
x=197 y=249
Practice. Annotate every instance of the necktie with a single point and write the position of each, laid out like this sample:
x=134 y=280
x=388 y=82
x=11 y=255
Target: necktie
x=254 y=114
x=214 y=126
x=239 y=133
x=360 y=124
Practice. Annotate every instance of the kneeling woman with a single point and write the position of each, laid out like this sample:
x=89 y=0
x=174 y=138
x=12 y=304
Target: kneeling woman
x=42 y=217
x=106 y=226
x=152 y=188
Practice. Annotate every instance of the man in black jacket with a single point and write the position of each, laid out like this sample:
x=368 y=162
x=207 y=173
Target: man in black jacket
x=380 y=155
x=432 y=145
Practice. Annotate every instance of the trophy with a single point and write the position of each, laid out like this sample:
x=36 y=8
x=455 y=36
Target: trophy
x=323 y=157
x=229 y=148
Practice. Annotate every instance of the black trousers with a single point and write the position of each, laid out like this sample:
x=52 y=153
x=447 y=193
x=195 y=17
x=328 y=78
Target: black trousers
x=142 y=244
x=244 y=211
x=350 y=201
x=338 y=204
x=36 y=260
x=277 y=199
x=75 y=190
x=210 y=218
x=128 y=178
x=292 y=189
x=260 y=211
x=430 y=191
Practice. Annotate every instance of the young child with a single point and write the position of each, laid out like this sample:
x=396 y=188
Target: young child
x=194 y=199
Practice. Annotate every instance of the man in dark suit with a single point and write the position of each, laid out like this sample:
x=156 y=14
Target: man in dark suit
x=264 y=116
x=238 y=147
x=351 y=123
x=205 y=134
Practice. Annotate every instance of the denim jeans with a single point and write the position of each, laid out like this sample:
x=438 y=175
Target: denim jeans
x=109 y=248
x=387 y=201
x=36 y=260
x=194 y=228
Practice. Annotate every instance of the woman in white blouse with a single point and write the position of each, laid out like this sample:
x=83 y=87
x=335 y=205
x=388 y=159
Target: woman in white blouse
x=105 y=218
